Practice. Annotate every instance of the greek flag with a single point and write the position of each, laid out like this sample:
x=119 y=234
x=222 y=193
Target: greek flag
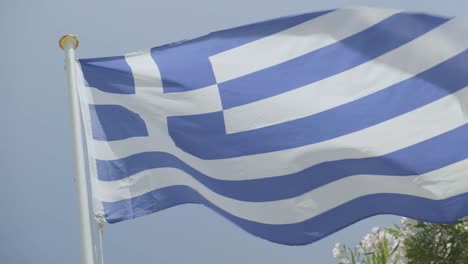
x=291 y=128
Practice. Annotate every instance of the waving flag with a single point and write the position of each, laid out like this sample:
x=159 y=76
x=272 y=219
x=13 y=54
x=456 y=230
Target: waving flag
x=291 y=128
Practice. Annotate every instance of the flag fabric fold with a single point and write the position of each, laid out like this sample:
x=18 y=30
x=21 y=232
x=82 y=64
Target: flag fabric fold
x=291 y=128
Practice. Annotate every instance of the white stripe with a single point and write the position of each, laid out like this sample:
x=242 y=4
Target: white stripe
x=200 y=101
x=421 y=54
x=421 y=124
x=439 y=184
x=295 y=41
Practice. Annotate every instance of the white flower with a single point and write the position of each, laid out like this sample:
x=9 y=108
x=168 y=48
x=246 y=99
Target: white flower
x=374 y=242
x=408 y=227
x=359 y=249
x=339 y=251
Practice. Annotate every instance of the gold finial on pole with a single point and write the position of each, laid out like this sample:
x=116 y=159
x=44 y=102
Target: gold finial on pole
x=63 y=40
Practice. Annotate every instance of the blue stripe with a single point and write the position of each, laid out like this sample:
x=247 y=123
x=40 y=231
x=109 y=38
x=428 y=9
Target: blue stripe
x=185 y=66
x=204 y=135
x=111 y=74
x=115 y=122
x=417 y=159
x=365 y=46
x=439 y=211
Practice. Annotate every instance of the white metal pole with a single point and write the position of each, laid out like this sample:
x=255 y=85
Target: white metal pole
x=69 y=43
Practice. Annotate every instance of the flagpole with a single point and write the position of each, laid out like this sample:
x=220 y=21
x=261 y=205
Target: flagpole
x=69 y=43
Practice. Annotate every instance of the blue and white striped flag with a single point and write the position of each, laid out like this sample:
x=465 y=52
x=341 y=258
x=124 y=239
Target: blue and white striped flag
x=291 y=128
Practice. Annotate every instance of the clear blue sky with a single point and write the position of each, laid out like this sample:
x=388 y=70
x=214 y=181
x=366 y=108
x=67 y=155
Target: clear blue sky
x=38 y=214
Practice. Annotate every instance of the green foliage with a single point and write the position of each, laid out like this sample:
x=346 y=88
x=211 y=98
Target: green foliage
x=411 y=242
x=438 y=243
